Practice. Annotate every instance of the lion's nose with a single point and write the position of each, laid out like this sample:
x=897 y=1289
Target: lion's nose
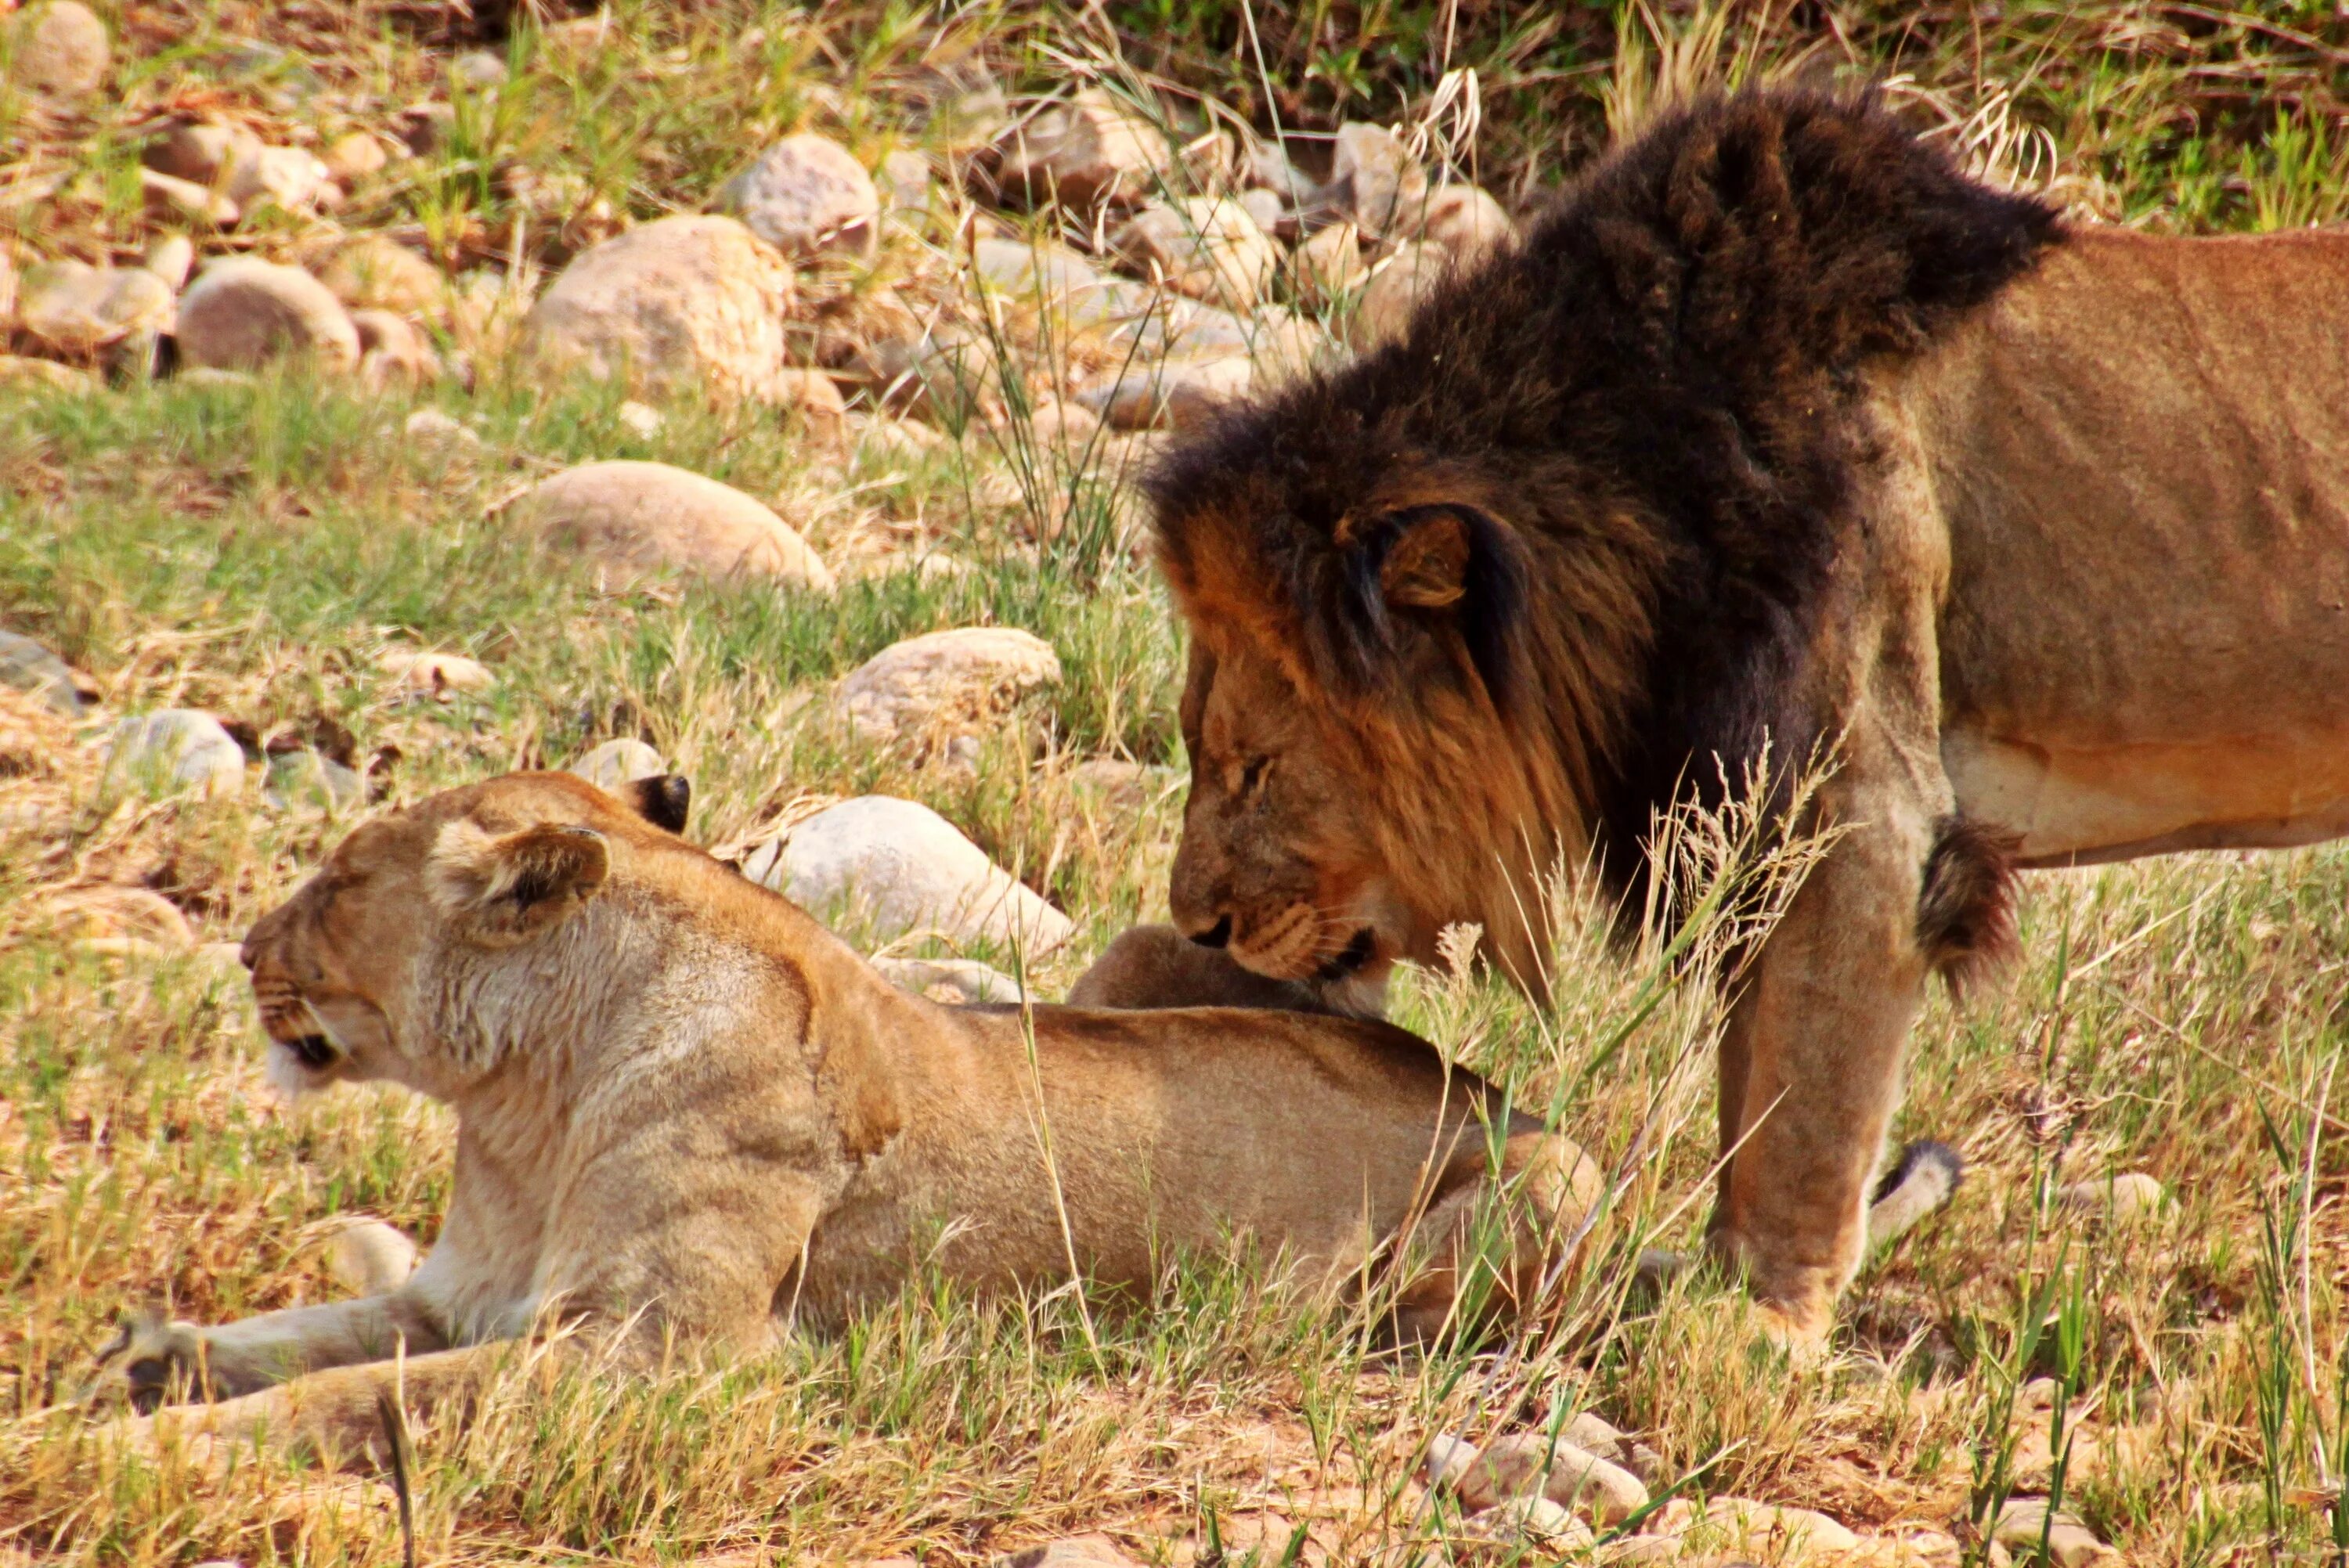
x=1216 y=935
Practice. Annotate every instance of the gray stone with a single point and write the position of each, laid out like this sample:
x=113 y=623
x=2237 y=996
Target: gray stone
x=673 y=305
x=1408 y=275
x=432 y=428
x=2130 y=1195
x=1526 y=1462
x=961 y=677
x=1269 y=168
x=954 y=981
x=949 y=373
x=392 y=351
x=292 y=178
x=368 y=1257
x=1375 y=181
x=1171 y=394
x=906 y=178
x=1329 y=266
x=441 y=675
x=807 y=194
x=479 y=69
x=1266 y=207
x=617 y=762
x=60 y=49
x=375 y=273
x=355 y=157
x=169 y=257
x=1092 y=151
x=180 y=201
x=903 y=867
x=1203 y=246
x=1532 y=1520
x=308 y=779
x=1465 y=220
x=242 y=313
x=639 y=516
x=76 y=309
x=30 y=667
x=174 y=749
x=201 y=152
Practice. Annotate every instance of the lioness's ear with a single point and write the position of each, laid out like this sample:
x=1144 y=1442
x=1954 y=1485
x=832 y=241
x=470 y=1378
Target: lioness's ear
x=500 y=888
x=1426 y=568
x=662 y=800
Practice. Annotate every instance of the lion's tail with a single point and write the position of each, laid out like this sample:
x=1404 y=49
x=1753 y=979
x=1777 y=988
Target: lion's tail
x=1924 y=1177
x=1965 y=910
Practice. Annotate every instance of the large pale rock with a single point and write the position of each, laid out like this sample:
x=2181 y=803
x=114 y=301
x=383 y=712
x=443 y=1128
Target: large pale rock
x=1526 y=1462
x=1203 y=246
x=1329 y=266
x=958 y=677
x=1788 y=1534
x=368 y=1257
x=641 y=516
x=391 y=351
x=175 y=200
x=170 y=257
x=1074 y=1552
x=23 y=370
x=293 y=178
x=2131 y=1195
x=671 y=304
x=904 y=867
x=1173 y=394
x=618 y=762
x=201 y=152
x=1409 y=274
x=435 y=675
x=28 y=666
x=1374 y=180
x=177 y=749
x=808 y=194
x=60 y=49
x=1464 y=220
x=954 y=981
x=2071 y=1544
x=242 y=313
x=308 y=779
x=375 y=273
x=1089 y=152
x=76 y=309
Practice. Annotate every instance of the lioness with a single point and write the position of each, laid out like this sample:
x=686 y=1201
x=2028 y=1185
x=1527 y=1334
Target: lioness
x=1775 y=437
x=685 y=1109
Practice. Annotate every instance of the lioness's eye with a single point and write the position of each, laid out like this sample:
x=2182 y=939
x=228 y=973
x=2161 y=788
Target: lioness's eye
x=1252 y=776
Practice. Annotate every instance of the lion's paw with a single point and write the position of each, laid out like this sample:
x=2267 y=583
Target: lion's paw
x=151 y=1362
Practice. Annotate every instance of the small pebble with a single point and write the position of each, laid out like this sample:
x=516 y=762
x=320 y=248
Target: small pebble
x=642 y=418
x=440 y=675
x=2127 y=1196
x=618 y=762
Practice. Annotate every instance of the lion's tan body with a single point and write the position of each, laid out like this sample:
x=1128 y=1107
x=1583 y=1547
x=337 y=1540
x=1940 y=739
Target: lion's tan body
x=2105 y=609
x=2041 y=532
x=684 y=1106
x=2139 y=457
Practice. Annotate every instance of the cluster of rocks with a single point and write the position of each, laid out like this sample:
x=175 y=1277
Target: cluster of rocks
x=1155 y=274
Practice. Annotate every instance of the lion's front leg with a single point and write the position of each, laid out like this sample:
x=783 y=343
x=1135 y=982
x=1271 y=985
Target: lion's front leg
x=152 y=1362
x=1810 y=1065
x=337 y=1415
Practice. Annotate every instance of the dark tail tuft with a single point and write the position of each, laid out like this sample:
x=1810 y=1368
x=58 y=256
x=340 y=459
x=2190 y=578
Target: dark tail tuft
x=1965 y=913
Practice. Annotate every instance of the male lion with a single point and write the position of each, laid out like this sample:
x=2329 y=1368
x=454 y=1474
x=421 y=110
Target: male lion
x=684 y=1107
x=1776 y=436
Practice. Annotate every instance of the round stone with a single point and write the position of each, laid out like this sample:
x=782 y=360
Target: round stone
x=640 y=516
x=242 y=313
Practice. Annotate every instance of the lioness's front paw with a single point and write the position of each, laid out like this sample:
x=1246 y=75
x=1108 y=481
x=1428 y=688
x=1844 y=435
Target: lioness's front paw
x=149 y=1363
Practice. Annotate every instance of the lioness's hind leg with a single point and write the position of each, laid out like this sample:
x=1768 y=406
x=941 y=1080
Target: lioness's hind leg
x=1480 y=1254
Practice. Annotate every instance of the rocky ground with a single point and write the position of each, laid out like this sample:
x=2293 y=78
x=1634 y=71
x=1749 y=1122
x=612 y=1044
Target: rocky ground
x=392 y=398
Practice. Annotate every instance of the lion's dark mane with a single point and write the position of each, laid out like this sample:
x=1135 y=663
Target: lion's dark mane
x=1655 y=388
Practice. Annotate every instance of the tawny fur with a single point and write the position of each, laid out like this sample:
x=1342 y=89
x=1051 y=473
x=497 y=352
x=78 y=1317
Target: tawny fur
x=685 y=1109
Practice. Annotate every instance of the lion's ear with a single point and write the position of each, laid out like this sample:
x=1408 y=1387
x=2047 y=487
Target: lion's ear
x=664 y=800
x=499 y=888
x=1426 y=568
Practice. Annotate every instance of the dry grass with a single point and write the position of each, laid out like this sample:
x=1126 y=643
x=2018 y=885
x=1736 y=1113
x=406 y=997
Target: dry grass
x=251 y=550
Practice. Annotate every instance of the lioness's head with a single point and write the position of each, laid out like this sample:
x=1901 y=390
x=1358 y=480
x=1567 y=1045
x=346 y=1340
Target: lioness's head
x=349 y=971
